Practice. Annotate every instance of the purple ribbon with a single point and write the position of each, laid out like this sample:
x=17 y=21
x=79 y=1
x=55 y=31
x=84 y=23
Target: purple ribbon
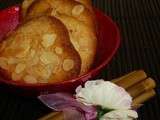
x=71 y=108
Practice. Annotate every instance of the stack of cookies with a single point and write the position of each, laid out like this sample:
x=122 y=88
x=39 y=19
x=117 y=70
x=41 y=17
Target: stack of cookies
x=56 y=41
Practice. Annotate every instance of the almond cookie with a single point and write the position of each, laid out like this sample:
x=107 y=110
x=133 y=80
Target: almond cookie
x=39 y=51
x=79 y=21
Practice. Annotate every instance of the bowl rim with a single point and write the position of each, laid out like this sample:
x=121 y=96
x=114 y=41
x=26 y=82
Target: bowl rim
x=79 y=78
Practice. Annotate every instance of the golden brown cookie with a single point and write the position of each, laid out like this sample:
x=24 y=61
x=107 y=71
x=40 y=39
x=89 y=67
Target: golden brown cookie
x=39 y=51
x=79 y=21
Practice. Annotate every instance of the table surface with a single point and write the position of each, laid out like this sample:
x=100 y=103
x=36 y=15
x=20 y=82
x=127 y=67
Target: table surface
x=139 y=24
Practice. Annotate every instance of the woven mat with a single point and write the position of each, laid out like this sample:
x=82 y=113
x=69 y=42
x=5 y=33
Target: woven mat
x=139 y=23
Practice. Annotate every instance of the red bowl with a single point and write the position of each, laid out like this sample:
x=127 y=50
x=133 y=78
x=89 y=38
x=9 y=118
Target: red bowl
x=108 y=43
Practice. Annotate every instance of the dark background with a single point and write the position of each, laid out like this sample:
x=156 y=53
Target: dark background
x=139 y=24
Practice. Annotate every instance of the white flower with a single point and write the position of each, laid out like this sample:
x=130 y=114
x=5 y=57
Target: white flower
x=120 y=115
x=105 y=94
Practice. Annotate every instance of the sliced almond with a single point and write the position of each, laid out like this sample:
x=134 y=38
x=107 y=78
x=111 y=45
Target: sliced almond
x=16 y=76
x=20 y=68
x=30 y=79
x=45 y=74
x=34 y=60
x=40 y=71
x=33 y=52
x=12 y=60
x=3 y=63
x=25 y=46
x=49 y=58
x=58 y=50
x=68 y=64
x=48 y=40
x=54 y=12
x=56 y=69
x=77 y=10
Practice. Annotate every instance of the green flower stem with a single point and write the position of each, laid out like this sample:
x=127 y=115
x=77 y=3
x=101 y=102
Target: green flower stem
x=101 y=111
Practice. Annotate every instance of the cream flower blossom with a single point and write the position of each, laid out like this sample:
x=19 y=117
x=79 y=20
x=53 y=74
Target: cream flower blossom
x=120 y=115
x=105 y=94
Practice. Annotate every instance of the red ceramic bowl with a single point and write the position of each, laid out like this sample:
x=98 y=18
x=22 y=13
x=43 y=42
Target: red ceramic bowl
x=108 y=43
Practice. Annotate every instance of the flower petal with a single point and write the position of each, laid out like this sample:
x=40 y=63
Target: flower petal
x=93 y=83
x=105 y=94
x=120 y=115
x=62 y=101
x=72 y=113
x=57 y=101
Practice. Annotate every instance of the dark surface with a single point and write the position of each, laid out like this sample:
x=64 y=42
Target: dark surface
x=139 y=23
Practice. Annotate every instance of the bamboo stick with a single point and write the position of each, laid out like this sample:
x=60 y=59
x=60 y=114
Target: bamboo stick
x=122 y=77
x=53 y=116
x=130 y=79
x=144 y=97
x=141 y=87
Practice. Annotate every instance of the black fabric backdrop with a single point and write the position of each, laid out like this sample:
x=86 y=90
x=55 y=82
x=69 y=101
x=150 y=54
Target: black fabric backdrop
x=139 y=24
